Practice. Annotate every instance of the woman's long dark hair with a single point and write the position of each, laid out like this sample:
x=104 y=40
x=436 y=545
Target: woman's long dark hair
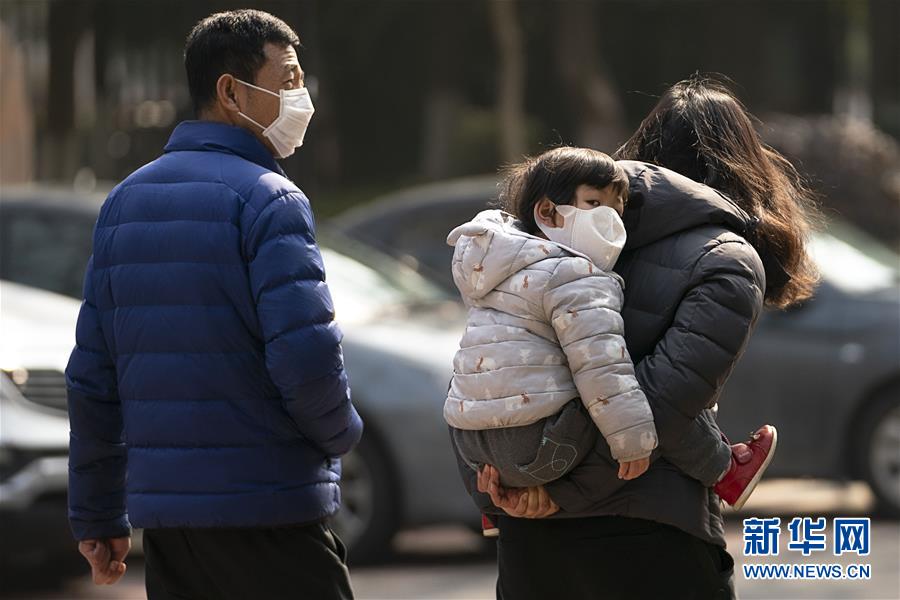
x=700 y=129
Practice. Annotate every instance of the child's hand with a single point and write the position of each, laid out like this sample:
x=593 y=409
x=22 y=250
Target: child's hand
x=634 y=468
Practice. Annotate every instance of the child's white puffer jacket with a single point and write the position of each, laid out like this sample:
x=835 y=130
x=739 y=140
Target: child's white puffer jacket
x=540 y=313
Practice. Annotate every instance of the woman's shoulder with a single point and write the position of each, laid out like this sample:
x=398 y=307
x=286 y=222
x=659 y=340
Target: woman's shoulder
x=704 y=249
x=731 y=252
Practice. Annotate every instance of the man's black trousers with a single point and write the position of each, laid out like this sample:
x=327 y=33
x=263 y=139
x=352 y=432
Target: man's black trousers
x=295 y=562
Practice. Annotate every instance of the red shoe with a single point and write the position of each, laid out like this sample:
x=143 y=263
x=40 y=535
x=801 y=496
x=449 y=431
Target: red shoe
x=748 y=463
x=488 y=529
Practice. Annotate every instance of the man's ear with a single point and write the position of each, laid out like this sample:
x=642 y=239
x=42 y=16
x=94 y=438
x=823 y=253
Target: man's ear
x=545 y=213
x=226 y=93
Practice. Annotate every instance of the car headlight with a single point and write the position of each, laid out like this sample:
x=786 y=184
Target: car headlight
x=46 y=387
x=18 y=376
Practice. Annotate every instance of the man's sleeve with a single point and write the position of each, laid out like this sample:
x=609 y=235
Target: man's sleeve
x=97 y=457
x=296 y=316
x=688 y=368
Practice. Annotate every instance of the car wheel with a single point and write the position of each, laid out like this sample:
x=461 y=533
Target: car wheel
x=878 y=448
x=368 y=516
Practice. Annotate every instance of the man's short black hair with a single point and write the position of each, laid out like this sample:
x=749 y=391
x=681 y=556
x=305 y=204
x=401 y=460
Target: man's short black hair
x=230 y=42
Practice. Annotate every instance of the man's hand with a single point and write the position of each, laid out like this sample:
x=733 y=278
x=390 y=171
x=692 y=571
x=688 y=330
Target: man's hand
x=530 y=503
x=106 y=557
x=634 y=468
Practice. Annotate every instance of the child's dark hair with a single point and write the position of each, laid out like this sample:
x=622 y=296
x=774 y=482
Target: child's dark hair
x=556 y=174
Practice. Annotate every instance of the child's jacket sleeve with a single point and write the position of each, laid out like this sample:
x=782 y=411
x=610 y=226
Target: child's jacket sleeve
x=583 y=304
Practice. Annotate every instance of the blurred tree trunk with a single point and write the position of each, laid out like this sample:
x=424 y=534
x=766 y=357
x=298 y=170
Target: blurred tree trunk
x=853 y=95
x=16 y=114
x=67 y=22
x=884 y=24
x=441 y=112
x=320 y=167
x=442 y=99
x=596 y=105
x=511 y=78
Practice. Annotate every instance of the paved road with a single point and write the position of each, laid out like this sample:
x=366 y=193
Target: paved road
x=451 y=563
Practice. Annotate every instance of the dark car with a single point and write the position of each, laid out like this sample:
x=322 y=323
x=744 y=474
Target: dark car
x=827 y=373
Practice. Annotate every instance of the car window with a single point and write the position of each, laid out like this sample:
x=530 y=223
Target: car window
x=850 y=267
x=366 y=286
x=418 y=238
x=46 y=250
x=359 y=292
x=417 y=235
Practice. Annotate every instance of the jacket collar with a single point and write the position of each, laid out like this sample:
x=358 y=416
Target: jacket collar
x=209 y=136
x=662 y=202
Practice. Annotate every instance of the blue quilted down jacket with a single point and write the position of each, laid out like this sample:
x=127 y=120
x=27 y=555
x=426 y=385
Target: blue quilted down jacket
x=207 y=387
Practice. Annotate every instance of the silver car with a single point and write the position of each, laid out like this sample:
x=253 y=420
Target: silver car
x=34 y=433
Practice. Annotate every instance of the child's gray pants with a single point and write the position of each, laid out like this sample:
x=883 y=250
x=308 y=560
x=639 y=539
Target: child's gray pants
x=548 y=449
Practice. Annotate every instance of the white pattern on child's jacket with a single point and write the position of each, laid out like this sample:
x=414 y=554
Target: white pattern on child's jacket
x=544 y=327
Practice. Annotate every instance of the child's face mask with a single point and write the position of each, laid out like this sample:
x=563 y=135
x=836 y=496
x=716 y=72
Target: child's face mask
x=597 y=233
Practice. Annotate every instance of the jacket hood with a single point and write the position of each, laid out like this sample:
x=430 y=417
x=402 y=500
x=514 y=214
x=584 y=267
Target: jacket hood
x=662 y=202
x=492 y=247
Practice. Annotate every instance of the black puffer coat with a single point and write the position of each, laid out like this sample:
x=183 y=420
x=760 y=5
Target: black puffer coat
x=694 y=290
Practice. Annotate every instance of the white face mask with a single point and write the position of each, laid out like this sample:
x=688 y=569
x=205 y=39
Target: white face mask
x=294 y=113
x=598 y=233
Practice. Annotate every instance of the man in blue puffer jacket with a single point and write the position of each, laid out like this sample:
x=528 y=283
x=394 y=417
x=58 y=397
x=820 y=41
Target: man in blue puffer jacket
x=208 y=365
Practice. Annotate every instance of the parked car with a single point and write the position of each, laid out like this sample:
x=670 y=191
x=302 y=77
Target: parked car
x=37 y=338
x=826 y=373
x=400 y=335
x=412 y=225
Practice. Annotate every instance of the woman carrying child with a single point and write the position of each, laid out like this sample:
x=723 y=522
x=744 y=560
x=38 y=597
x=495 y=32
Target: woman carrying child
x=699 y=265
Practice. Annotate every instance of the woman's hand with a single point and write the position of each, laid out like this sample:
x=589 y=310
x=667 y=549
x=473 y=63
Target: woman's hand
x=634 y=468
x=530 y=503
